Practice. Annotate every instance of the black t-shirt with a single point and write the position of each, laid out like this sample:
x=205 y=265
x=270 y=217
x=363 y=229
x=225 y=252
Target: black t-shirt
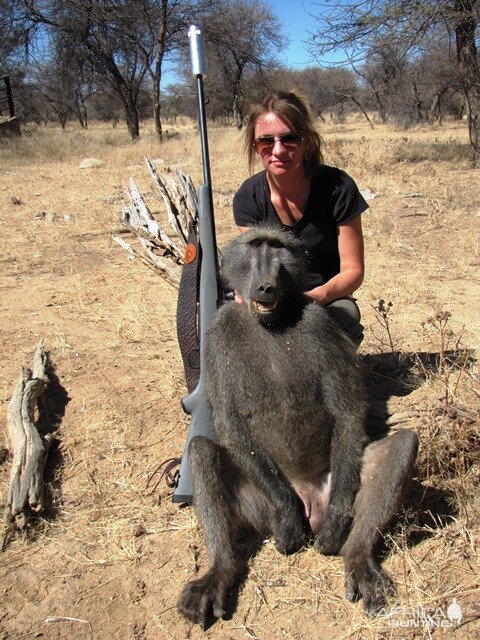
x=334 y=199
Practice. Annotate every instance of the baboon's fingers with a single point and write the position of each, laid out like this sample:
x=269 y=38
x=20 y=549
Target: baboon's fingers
x=291 y=533
x=376 y=593
x=332 y=535
x=365 y=579
x=352 y=592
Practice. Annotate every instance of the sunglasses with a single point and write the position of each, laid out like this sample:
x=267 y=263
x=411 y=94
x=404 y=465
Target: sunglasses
x=288 y=140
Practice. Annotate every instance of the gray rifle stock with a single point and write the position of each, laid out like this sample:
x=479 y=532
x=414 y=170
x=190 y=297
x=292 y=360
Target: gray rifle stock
x=196 y=403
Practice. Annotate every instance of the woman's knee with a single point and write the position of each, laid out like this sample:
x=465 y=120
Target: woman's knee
x=345 y=312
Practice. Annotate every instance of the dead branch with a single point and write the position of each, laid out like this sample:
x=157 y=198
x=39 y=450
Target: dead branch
x=191 y=200
x=165 y=268
x=30 y=448
x=156 y=248
x=138 y=217
x=180 y=200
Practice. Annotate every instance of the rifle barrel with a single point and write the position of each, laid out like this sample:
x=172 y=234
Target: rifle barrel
x=202 y=116
x=197 y=51
x=196 y=403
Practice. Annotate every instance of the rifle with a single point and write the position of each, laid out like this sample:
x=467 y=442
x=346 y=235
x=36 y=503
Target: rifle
x=205 y=253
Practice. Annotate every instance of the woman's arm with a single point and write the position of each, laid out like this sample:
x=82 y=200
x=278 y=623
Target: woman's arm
x=350 y=248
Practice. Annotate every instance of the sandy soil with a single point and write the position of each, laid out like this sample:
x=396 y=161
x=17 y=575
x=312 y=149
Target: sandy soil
x=110 y=555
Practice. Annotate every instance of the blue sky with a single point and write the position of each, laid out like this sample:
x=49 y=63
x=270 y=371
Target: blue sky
x=293 y=14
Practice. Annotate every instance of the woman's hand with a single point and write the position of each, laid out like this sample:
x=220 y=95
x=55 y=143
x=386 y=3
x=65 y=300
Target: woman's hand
x=350 y=248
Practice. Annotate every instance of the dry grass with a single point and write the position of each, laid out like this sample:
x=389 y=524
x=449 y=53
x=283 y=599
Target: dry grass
x=113 y=552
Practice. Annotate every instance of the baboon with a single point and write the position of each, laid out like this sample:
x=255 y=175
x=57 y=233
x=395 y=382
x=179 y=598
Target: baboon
x=289 y=409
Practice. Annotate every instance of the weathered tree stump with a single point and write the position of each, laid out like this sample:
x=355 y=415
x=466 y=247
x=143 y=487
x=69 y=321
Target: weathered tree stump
x=157 y=249
x=30 y=448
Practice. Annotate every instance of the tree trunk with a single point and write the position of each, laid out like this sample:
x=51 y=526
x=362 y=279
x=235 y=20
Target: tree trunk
x=435 y=112
x=30 y=445
x=382 y=113
x=131 y=113
x=133 y=123
x=81 y=110
x=360 y=106
x=125 y=91
x=237 y=112
x=157 y=75
x=157 y=113
x=418 y=102
x=469 y=70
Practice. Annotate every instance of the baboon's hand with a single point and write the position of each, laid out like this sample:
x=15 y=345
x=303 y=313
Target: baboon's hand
x=333 y=533
x=290 y=529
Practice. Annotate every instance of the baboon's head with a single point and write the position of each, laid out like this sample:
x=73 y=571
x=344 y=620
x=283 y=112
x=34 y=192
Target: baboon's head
x=266 y=266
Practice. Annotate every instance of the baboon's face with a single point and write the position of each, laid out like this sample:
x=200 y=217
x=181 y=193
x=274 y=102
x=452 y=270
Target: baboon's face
x=267 y=271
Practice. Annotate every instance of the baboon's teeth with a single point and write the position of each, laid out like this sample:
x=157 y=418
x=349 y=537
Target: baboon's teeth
x=264 y=307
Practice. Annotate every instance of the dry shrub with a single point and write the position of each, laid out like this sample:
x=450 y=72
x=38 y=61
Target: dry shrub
x=450 y=433
x=362 y=157
x=410 y=150
x=50 y=144
x=451 y=446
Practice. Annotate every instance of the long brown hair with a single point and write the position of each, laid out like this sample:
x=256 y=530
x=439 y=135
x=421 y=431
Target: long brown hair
x=295 y=111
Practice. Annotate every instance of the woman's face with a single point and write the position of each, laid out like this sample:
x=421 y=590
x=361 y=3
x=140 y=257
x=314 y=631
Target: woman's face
x=282 y=158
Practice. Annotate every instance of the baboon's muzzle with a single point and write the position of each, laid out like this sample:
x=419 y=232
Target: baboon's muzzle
x=265 y=287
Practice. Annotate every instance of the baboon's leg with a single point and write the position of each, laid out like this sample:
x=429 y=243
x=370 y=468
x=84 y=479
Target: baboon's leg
x=386 y=474
x=233 y=515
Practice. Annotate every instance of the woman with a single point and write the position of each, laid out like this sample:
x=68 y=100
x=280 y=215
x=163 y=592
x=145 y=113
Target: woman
x=321 y=205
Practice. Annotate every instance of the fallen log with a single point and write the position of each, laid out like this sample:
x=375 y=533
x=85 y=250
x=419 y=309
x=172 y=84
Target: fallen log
x=30 y=448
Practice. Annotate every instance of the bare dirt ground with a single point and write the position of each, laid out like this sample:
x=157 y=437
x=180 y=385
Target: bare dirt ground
x=109 y=557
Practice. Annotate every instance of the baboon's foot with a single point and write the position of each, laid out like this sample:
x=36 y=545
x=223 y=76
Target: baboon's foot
x=204 y=600
x=365 y=579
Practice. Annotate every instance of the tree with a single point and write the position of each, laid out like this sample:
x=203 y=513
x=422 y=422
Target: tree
x=125 y=41
x=333 y=89
x=105 y=33
x=12 y=32
x=56 y=91
x=166 y=23
x=29 y=103
x=437 y=86
x=160 y=50
x=385 y=78
x=466 y=18
x=240 y=39
x=407 y=25
x=67 y=79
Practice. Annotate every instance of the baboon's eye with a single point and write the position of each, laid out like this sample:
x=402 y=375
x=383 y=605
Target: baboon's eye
x=270 y=242
x=276 y=244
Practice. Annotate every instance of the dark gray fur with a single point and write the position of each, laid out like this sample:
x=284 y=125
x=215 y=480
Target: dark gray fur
x=288 y=398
